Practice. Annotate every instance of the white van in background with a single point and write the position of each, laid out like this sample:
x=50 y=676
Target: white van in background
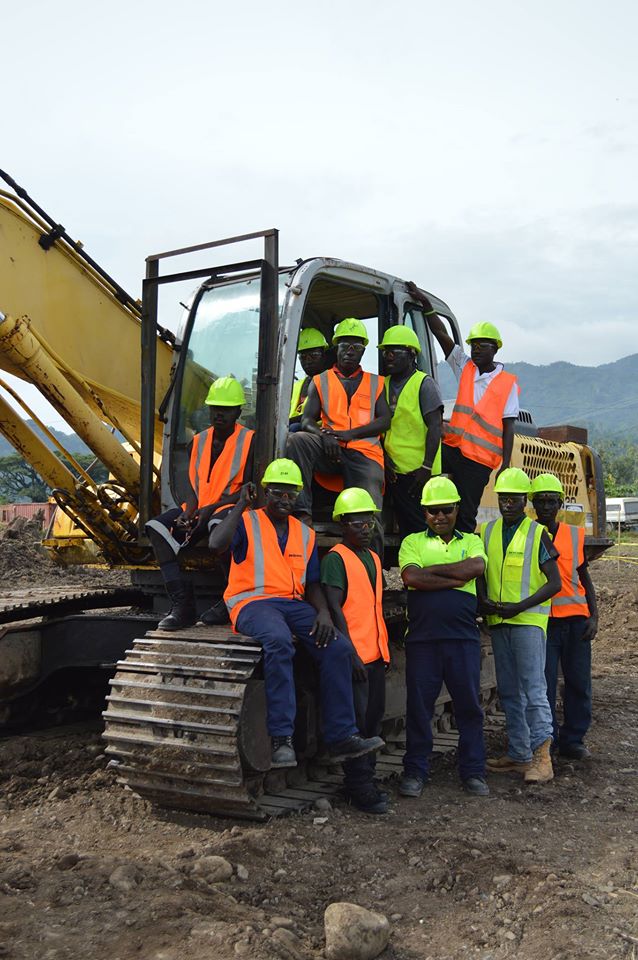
x=623 y=511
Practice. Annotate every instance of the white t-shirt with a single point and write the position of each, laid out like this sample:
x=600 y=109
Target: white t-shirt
x=457 y=360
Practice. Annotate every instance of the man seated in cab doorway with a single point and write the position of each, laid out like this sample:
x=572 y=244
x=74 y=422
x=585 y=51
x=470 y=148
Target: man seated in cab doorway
x=412 y=445
x=219 y=464
x=353 y=583
x=274 y=594
x=480 y=434
x=522 y=577
x=572 y=624
x=442 y=643
x=352 y=411
x=312 y=351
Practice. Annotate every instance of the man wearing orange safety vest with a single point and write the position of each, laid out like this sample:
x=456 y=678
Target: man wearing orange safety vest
x=573 y=621
x=353 y=583
x=480 y=434
x=353 y=413
x=274 y=595
x=220 y=462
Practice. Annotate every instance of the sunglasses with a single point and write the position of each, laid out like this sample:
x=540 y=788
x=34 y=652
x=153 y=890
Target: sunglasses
x=279 y=494
x=446 y=511
x=360 y=524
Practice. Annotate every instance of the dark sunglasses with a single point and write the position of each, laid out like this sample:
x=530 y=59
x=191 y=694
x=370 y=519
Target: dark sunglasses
x=446 y=511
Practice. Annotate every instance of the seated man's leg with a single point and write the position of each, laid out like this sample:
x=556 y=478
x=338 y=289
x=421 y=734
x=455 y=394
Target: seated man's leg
x=306 y=449
x=167 y=541
x=265 y=622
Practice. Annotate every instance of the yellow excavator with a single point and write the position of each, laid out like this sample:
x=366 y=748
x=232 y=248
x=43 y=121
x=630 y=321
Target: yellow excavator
x=185 y=717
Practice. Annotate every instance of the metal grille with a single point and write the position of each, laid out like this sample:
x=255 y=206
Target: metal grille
x=547 y=456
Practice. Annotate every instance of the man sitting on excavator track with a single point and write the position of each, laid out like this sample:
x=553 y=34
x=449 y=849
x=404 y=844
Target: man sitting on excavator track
x=274 y=593
x=220 y=461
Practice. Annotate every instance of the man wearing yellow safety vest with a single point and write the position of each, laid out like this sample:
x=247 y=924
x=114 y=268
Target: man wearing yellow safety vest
x=442 y=643
x=573 y=621
x=220 y=462
x=353 y=413
x=274 y=595
x=480 y=434
x=522 y=577
x=353 y=583
x=413 y=443
x=312 y=351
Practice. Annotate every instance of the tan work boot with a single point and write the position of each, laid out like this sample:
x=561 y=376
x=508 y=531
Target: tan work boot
x=507 y=765
x=540 y=769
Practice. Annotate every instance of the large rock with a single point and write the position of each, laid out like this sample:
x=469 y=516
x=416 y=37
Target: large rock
x=354 y=933
x=213 y=869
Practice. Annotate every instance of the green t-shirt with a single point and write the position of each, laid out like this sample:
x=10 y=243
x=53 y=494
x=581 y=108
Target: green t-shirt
x=427 y=550
x=333 y=571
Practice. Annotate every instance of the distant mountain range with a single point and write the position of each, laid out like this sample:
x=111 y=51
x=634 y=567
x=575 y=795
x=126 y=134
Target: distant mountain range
x=70 y=441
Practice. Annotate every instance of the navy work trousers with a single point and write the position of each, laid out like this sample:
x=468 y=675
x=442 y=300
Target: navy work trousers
x=471 y=479
x=565 y=645
x=273 y=623
x=428 y=665
x=369 y=706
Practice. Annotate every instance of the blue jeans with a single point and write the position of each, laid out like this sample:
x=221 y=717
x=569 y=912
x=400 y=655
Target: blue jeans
x=272 y=623
x=428 y=665
x=519 y=658
x=565 y=644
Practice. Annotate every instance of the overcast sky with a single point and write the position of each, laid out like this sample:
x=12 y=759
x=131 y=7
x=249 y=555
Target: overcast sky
x=488 y=151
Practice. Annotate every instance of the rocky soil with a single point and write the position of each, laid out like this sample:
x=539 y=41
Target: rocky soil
x=538 y=873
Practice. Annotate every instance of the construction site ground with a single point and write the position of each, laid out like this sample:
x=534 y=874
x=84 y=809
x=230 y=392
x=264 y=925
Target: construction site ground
x=545 y=872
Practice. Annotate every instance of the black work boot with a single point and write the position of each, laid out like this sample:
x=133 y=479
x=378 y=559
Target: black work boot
x=283 y=753
x=354 y=746
x=215 y=616
x=182 y=612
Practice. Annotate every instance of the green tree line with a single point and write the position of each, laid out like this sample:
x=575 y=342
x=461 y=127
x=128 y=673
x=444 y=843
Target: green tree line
x=20 y=482
x=620 y=467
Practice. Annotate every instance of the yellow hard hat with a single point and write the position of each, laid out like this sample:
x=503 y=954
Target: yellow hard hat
x=353 y=500
x=350 y=327
x=283 y=471
x=400 y=336
x=226 y=392
x=310 y=338
x=546 y=483
x=439 y=491
x=512 y=480
x=484 y=331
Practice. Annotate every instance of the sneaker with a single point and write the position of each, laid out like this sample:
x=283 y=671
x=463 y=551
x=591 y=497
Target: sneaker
x=507 y=765
x=354 y=746
x=283 y=753
x=574 y=751
x=368 y=800
x=215 y=616
x=476 y=787
x=411 y=786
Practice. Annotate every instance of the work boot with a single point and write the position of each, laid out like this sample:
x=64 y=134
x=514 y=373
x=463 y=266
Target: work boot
x=216 y=616
x=411 y=786
x=354 y=746
x=182 y=612
x=476 y=787
x=283 y=753
x=507 y=765
x=574 y=751
x=540 y=769
x=368 y=799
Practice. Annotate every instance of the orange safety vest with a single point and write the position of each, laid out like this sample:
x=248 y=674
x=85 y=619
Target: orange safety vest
x=362 y=608
x=478 y=429
x=266 y=572
x=227 y=474
x=570 y=601
x=340 y=414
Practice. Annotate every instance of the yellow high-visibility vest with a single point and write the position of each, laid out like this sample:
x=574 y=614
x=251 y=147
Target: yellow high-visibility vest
x=517 y=575
x=297 y=405
x=405 y=440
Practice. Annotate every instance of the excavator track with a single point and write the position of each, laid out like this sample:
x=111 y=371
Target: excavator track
x=51 y=604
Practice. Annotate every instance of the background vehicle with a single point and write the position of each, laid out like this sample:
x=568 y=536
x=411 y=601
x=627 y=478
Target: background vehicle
x=621 y=512
x=185 y=717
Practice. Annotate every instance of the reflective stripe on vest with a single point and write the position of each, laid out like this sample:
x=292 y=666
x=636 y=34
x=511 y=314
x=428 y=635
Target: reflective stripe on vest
x=517 y=575
x=477 y=429
x=338 y=414
x=227 y=474
x=362 y=608
x=571 y=600
x=405 y=440
x=266 y=572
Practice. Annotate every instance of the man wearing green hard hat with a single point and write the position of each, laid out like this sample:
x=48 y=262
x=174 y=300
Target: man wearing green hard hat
x=219 y=462
x=442 y=645
x=522 y=577
x=412 y=445
x=274 y=596
x=480 y=434
x=572 y=624
x=312 y=350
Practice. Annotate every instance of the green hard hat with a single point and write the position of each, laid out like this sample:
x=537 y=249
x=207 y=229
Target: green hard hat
x=226 y=392
x=350 y=327
x=283 y=471
x=484 y=331
x=310 y=338
x=439 y=491
x=400 y=336
x=512 y=480
x=353 y=500
x=546 y=483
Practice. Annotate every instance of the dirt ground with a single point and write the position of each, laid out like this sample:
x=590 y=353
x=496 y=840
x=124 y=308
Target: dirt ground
x=545 y=873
